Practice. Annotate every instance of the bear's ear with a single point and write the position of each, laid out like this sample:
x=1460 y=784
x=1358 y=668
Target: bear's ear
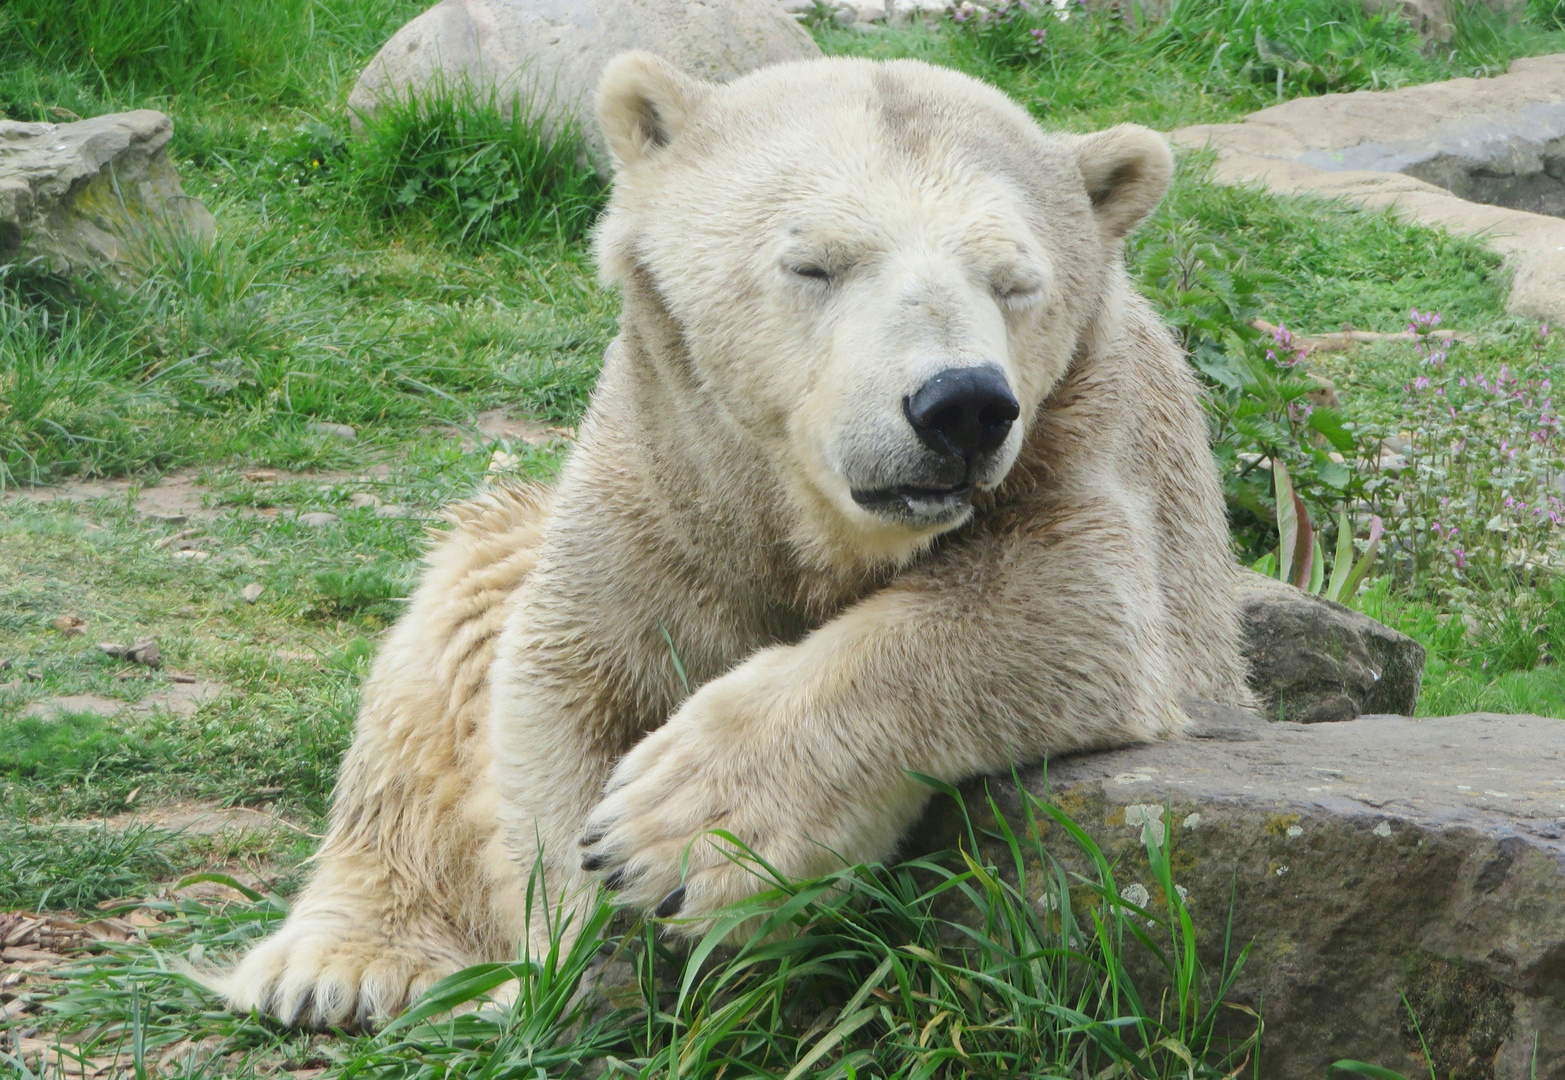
x=1127 y=170
x=643 y=104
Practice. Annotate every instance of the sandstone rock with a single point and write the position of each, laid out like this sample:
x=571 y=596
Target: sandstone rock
x=551 y=52
x=80 y=196
x=1428 y=150
x=1312 y=660
x=318 y=519
x=1362 y=859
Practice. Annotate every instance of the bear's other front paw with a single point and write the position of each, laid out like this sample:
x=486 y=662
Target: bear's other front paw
x=326 y=972
x=718 y=767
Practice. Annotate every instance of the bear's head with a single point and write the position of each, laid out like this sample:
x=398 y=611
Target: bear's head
x=878 y=271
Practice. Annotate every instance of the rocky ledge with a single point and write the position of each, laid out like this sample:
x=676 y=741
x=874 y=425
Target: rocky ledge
x=1479 y=157
x=1364 y=860
x=82 y=196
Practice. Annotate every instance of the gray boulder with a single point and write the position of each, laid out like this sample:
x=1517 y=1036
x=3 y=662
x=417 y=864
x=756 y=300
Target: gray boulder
x=551 y=52
x=81 y=196
x=1362 y=860
x=1312 y=660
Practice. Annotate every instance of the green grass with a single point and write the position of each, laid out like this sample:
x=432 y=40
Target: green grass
x=1004 y=964
x=405 y=281
x=1209 y=61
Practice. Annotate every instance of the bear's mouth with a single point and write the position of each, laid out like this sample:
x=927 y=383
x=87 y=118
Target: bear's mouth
x=917 y=504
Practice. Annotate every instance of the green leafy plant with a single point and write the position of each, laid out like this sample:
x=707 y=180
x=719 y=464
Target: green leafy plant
x=1300 y=558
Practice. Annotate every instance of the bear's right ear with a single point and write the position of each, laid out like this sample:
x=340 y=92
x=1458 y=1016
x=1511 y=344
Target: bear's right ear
x=644 y=102
x=1127 y=169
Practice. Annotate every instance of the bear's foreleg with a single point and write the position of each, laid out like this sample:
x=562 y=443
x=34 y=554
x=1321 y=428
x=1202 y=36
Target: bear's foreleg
x=1014 y=646
x=412 y=882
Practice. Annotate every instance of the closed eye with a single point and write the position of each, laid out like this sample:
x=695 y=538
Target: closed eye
x=815 y=273
x=1019 y=296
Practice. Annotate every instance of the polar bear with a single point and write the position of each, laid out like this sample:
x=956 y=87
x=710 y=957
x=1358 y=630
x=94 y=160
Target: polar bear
x=889 y=471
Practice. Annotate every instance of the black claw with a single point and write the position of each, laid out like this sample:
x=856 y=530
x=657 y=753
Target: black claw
x=596 y=861
x=615 y=881
x=669 y=906
x=301 y=1012
x=588 y=839
x=363 y=1020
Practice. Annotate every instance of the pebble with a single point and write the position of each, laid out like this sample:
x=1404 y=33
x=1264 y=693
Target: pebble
x=391 y=510
x=318 y=519
x=334 y=431
x=252 y=592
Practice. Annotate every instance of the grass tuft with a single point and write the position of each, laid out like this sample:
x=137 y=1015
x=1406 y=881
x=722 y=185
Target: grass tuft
x=474 y=167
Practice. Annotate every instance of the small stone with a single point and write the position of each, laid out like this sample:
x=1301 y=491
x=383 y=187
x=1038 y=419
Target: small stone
x=391 y=510
x=345 y=432
x=146 y=653
x=71 y=625
x=193 y=554
x=318 y=519
x=110 y=648
x=1383 y=830
x=252 y=592
x=363 y=500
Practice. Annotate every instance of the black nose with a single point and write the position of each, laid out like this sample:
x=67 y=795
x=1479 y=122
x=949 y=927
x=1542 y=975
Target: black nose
x=964 y=411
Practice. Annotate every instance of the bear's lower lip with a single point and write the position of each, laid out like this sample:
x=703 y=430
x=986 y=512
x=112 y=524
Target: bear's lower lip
x=920 y=505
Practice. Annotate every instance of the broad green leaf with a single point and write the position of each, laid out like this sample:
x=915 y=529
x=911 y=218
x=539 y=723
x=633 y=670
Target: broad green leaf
x=1342 y=564
x=1287 y=520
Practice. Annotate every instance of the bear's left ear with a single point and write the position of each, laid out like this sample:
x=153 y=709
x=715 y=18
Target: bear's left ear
x=1127 y=170
x=644 y=102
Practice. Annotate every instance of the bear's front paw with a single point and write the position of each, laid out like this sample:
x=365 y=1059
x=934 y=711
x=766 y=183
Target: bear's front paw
x=734 y=763
x=329 y=971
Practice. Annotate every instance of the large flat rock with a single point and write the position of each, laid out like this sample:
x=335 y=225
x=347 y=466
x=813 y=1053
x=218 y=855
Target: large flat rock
x=1364 y=859
x=1421 y=149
